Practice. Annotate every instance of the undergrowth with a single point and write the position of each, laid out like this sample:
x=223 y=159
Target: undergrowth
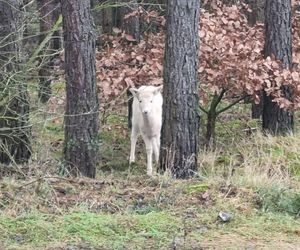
x=253 y=177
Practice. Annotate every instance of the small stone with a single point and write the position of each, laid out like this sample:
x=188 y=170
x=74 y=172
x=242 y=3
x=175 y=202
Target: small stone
x=19 y=238
x=225 y=217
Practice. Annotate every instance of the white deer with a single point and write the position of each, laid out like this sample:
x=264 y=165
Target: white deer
x=146 y=120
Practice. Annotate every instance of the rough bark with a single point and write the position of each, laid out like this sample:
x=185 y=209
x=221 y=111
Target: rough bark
x=82 y=115
x=179 y=142
x=278 y=43
x=15 y=131
x=49 y=12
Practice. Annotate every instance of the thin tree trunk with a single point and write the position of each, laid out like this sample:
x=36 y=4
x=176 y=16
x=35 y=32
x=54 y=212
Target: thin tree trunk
x=129 y=108
x=211 y=128
x=57 y=35
x=15 y=133
x=130 y=25
x=212 y=117
x=257 y=109
x=48 y=10
x=257 y=11
x=82 y=108
x=103 y=18
x=179 y=142
x=256 y=15
x=278 y=43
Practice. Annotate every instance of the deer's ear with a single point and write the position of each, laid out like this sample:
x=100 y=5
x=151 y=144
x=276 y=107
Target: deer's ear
x=134 y=91
x=158 y=90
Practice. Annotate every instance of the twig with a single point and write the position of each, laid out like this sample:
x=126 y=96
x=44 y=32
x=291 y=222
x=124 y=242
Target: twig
x=232 y=104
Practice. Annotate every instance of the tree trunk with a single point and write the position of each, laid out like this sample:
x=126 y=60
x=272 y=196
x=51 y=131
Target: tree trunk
x=57 y=35
x=130 y=25
x=212 y=117
x=256 y=15
x=257 y=109
x=129 y=108
x=179 y=142
x=103 y=18
x=82 y=108
x=48 y=10
x=278 y=43
x=45 y=8
x=211 y=128
x=15 y=131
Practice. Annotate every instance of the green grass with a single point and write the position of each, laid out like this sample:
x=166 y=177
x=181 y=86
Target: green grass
x=197 y=188
x=278 y=199
x=156 y=230
x=262 y=226
x=111 y=231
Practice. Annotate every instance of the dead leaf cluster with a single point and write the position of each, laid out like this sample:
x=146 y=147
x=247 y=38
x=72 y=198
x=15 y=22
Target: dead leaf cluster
x=231 y=58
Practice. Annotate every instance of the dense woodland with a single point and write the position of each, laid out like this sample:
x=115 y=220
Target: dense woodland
x=228 y=175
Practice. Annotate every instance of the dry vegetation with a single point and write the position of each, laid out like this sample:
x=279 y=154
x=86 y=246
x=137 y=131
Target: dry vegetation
x=253 y=177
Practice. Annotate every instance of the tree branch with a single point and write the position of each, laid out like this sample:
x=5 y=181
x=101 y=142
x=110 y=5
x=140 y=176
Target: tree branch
x=204 y=110
x=216 y=100
x=220 y=96
x=232 y=104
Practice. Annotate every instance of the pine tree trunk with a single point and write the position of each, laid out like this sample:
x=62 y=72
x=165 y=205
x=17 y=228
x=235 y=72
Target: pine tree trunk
x=179 y=141
x=278 y=43
x=15 y=133
x=82 y=108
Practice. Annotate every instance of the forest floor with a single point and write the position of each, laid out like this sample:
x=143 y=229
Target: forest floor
x=253 y=178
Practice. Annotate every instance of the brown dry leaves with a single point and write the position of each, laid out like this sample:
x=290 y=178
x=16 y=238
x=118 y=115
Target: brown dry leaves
x=122 y=63
x=231 y=58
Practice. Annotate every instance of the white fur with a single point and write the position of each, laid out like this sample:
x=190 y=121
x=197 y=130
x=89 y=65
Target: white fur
x=146 y=120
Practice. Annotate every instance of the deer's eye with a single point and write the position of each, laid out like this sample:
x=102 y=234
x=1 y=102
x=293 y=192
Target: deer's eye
x=140 y=101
